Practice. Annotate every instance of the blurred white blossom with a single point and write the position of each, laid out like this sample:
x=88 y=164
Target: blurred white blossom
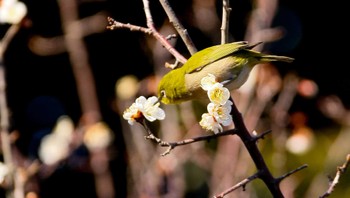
x=127 y=87
x=98 y=136
x=53 y=149
x=64 y=128
x=55 y=146
x=301 y=141
x=4 y=170
x=12 y=11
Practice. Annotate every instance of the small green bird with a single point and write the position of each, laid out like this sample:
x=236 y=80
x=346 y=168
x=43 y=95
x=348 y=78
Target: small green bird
x=230 y=63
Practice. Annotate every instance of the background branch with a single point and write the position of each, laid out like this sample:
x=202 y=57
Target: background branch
x=6 y=145
x=85 y=82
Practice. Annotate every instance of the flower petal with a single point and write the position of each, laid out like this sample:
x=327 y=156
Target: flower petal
x=208 y=81
x=218 y=94
x=149 y=108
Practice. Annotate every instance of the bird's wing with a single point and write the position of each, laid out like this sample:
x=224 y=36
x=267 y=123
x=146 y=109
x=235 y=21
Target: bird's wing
x=211 y=54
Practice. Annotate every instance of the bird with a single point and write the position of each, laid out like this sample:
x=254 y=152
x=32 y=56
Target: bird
x=230 y=63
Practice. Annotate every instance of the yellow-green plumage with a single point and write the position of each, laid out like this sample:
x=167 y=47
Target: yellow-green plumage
x=230 y=63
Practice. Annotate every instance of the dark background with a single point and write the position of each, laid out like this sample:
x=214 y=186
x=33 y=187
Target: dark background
x=316 y=38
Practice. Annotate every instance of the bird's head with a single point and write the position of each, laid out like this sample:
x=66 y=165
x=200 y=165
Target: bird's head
x=162 y=97
x=171 y=88
x=166 y=91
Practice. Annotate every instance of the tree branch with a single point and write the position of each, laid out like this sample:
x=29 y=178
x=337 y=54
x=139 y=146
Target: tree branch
x=291 y=172
x=78 y=56
x=178 y=26
x=4 y=113
x=113 y=24
x=242 y=184
x=225 y=21
x=172 y=145
x=340 y=171
x=250 y=143
x=261 y=136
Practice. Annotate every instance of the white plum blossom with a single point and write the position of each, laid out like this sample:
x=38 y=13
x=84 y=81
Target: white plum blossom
x=142 y=107
x=131 y=114
x=218 y=94
x=221 y=113
x=217 y=117
x=219 y=107
x=208 y=81
x=209 y=123
x=12 y=11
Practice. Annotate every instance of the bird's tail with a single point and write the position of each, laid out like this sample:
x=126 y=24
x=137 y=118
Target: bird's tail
x=264 y=57
x=270 y=58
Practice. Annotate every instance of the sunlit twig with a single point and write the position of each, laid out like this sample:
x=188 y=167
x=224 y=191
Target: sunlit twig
x=340 y=171
x=225 y=21
x=113 y=24
x=178 y=26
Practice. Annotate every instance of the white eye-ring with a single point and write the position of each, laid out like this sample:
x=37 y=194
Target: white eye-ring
x=162 y=95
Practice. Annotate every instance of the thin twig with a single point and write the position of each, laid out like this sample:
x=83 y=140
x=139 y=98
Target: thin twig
x=151 y=30
x=4 y=113
x=6 y=39
x=48 y=46
x=225 y=21
x=291 y=172
x=178 y=26
x=113 y=24
x=242 y=184
x=158 y=36
x=171 y=36
x=172 y=145
x=261 y=136
x=340 y=171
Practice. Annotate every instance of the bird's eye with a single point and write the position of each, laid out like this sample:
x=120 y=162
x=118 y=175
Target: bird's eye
x=162 y=93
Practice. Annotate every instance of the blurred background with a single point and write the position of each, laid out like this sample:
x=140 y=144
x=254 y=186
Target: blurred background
x=69 y=79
